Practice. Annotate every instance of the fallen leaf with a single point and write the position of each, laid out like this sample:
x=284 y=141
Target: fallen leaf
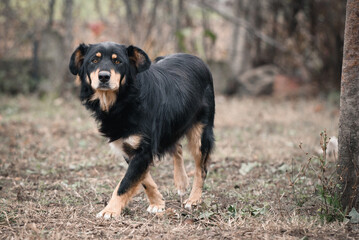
x=247 y=167
x=354 y=216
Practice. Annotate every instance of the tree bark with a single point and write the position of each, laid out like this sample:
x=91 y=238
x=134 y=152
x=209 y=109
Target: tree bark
x=178 y=26
x=152 y=21
x=68 y=16
x=348 y=161
x=69 y=38
x=239 y=59
x=51 y=13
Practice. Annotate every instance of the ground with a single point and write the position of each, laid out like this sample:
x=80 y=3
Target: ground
x=57 y=172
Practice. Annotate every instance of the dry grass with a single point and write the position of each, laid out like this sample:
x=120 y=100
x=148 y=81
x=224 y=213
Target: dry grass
x=56 y=173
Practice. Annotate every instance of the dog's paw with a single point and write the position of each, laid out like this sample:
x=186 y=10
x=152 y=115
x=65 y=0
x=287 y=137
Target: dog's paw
x=109 y=212
x=154 y=208
x=191 y=202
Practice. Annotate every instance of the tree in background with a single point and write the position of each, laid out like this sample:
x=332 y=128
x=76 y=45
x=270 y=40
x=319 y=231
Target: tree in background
x=348 y=161
x=304 y=38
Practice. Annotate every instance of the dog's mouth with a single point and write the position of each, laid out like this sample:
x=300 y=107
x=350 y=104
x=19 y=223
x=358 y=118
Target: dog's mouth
x=104 y=86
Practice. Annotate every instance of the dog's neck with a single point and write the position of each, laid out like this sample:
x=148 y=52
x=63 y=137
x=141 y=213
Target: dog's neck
x=106 y=99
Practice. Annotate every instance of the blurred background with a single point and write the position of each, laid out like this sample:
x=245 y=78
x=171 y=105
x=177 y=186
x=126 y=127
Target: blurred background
x=282 y=48
x=277 y=70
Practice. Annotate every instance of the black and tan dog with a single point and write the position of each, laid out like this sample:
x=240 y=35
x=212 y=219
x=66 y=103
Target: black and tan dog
x=144 y=110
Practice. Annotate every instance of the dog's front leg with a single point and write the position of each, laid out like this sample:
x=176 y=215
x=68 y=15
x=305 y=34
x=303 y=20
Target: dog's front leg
x=129 y=185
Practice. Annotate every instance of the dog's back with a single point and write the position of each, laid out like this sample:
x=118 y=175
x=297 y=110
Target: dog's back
x=177 y=92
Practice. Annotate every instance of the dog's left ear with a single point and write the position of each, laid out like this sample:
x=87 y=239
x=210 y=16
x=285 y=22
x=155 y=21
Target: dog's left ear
x=138 y=58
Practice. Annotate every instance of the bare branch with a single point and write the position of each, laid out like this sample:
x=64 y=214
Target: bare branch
x=245 y=24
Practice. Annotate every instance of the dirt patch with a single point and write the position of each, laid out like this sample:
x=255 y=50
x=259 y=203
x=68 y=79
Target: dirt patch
x=57 y=172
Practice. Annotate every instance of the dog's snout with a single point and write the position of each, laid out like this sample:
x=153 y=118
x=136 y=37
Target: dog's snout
x=104 y=76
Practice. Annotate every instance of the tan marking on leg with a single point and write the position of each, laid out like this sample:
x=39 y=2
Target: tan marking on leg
x=179 y=171
x=157 y=204
x=194 y=139
x=117 y=203
x=194 y=142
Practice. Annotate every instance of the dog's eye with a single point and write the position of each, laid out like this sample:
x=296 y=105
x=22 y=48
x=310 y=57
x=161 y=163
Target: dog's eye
x=117 y=61
x=95 y=60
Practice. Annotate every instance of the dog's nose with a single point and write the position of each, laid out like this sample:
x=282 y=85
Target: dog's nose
x=104 y=76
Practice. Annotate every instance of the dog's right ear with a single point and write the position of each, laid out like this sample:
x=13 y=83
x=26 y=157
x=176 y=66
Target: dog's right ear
x=77 y=58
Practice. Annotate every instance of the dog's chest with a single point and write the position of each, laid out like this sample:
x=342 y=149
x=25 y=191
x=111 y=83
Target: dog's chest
x=126 y=147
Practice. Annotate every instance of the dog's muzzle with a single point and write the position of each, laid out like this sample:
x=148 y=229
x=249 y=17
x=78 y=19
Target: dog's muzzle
x=104 y=78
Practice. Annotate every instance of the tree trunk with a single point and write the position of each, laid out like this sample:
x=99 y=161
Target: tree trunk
x=239 y=59
x=51 y=13
x=68 y=17
x=348 y=161
x=152 y=21
x=178 y=26
x=68 y=39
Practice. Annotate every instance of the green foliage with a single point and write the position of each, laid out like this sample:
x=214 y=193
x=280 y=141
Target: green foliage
x=211 y=35
x=248 y=210
x=232 y=211
x=5 y=218
x=330 y=210
x=182 y=35
x=328 y=199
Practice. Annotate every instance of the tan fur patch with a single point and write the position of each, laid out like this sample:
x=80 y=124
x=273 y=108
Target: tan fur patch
x=114 y=83
x=77 y=80
x=115 y=79
x=114 y=56
x=194 y=143
x=78 y=58
x=179 y=171
x=117 y=146
x=151 y=189
x=117 y=203
x=106 y=98
x=137 y=58
x=94 y=79
x=98 y=54
x=134 y=141
x=196 y=192
x=194 y=139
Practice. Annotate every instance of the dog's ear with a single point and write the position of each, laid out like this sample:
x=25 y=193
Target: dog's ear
x=138 y=58
x=77 y=58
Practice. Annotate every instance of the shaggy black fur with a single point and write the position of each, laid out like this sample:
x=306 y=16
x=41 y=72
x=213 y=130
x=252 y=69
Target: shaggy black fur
x=160 y=102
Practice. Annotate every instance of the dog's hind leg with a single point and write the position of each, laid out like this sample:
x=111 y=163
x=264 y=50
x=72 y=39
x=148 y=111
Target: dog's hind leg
x=200 y=143
x=157 y=204
x=179 y=171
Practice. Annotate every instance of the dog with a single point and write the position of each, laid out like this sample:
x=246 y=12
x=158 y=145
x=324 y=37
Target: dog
x=144 y=110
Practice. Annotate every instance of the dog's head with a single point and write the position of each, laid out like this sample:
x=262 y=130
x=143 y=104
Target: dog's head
x=106 y=65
